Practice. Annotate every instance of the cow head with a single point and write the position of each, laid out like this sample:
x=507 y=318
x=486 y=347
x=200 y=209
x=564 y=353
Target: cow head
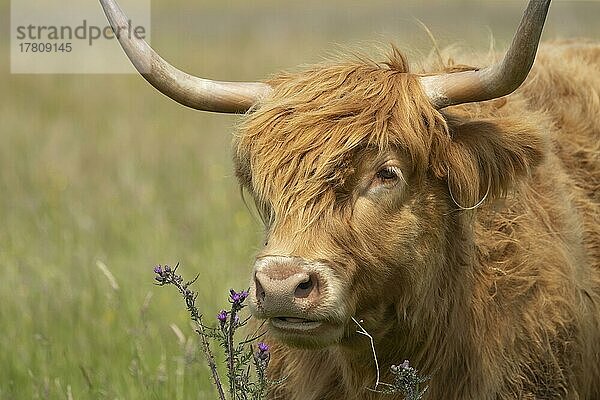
x=349 y=167
x=355 y=171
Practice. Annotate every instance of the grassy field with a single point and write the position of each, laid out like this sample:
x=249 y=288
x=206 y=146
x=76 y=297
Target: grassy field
x=99 y=171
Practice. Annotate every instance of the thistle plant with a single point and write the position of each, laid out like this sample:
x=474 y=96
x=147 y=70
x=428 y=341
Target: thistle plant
x=407 y=381
x=246 y=365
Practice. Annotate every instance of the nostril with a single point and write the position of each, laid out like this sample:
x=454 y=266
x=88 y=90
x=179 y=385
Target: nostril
x=260 y=292
x=305 y=287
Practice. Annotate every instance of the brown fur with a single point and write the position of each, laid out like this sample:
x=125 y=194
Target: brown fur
x=498 y=302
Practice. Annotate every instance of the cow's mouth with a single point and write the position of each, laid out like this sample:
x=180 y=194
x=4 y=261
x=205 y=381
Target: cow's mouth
x=294 y=324
x=305 y=333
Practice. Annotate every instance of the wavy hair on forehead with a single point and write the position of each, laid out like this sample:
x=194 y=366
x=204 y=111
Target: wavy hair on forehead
x=295 y=148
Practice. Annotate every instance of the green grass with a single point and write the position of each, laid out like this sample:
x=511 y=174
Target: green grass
x=84 y=182
x=101 y=169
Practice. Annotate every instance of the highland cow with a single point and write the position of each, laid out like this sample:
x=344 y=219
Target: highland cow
x=452 y=215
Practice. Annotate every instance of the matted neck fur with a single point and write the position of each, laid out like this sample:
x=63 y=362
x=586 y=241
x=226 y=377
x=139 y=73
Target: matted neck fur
x=363 y=186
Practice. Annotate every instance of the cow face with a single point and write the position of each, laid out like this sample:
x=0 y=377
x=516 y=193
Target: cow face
x=361 y=257
x=335 y=161
x=358 y=179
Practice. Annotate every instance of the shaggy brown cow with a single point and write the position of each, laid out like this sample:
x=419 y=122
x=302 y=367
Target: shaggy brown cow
x=466 y=239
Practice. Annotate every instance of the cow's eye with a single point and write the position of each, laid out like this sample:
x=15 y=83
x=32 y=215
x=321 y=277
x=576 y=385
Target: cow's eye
x=387 y=176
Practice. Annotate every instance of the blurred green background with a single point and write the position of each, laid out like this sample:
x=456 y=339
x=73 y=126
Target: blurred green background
x=101 y=173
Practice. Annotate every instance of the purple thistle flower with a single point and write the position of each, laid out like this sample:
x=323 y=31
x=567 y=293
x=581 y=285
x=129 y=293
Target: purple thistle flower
x=262 y=356
x=238 y=297
x=222 y=316
x=263 y=347
x=166 y=275
x=160 y=274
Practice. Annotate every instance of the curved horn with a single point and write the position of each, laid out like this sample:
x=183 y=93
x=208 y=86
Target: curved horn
x=498 y=79
x=191 y=91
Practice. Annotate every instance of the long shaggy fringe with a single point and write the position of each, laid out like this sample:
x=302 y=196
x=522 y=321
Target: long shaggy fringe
x=305 y=139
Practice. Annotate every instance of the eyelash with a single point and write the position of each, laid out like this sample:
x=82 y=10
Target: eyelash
x=395 y=172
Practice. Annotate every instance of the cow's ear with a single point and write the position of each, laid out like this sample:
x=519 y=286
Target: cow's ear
x=484 y=158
